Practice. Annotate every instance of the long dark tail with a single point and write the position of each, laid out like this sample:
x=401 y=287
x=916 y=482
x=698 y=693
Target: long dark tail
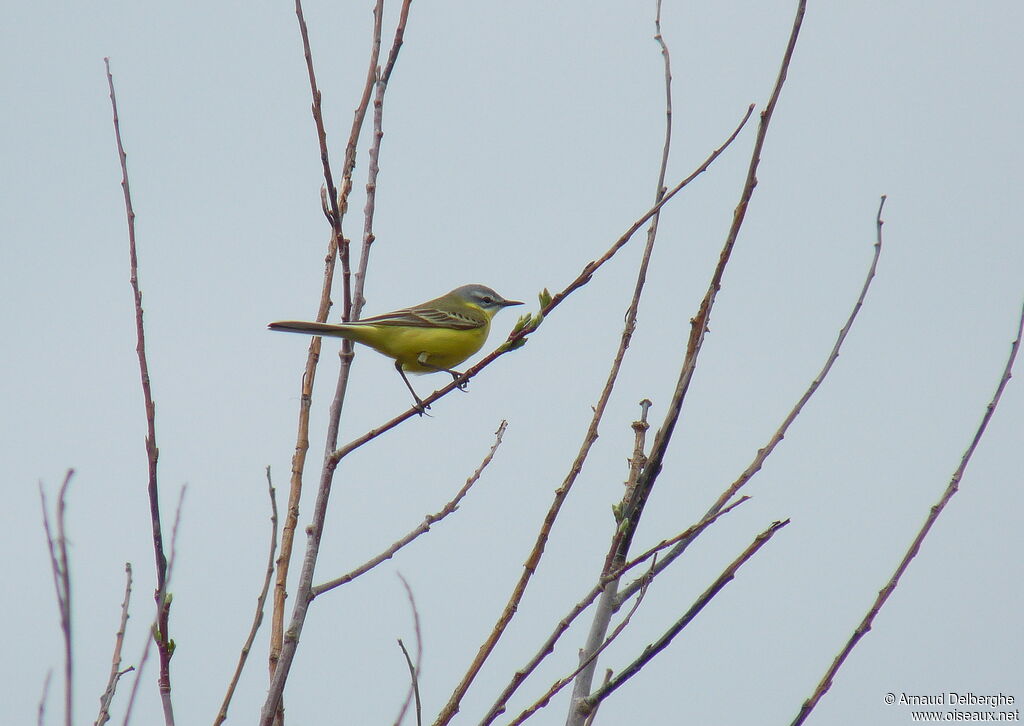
x=309 y=328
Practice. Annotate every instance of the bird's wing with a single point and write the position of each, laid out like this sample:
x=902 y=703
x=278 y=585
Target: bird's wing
x=430 y=317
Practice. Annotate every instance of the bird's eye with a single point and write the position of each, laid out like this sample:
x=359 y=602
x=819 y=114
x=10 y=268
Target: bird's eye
x=487 y=299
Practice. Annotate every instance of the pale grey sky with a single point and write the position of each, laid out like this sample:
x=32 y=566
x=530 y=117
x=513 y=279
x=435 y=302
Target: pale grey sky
x=520 y=142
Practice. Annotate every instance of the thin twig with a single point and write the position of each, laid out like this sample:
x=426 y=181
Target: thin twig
x=260 y=602
x=653 y=649
x=58 y=548
x=152 y=451
x=423 y=528
x=41 y=710
x=548 y=646
x=350 y=151
x=337 y=248
x=585 y=663
x=115 y=661
x=303 y=594
x=415 y=682
x=763 y=453
x=373 y=170
x=933 y=515
x=582 y=279
x=161 y=597
x=414 y=669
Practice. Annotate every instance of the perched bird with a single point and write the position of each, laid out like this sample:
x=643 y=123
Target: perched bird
x=433 y=336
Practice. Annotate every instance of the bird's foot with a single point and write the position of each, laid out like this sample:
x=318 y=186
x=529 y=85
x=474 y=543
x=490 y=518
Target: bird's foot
x=462 y=385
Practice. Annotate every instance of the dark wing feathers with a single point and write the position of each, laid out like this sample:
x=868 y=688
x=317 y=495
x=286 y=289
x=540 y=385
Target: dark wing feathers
x=430 y=317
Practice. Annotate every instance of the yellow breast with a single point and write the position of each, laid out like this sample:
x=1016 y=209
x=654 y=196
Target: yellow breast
x=421 y=349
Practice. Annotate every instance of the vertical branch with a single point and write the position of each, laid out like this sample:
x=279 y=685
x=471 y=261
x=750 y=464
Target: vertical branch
x=58 y=548
x=115 y=661
x=933 y=515
x=152 y=452
x=613 y=562
x=338 y=247
x=620 y=544
x=304 y=587
x=161 y=597
x=381 y=87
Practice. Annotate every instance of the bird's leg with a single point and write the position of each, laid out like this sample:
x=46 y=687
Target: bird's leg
x=462 y=386
x=420 y=406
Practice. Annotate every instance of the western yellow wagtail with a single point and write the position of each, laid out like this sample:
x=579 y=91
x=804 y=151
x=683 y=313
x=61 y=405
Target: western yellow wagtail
x=433 y=336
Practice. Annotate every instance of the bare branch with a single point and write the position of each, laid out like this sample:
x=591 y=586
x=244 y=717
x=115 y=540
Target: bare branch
x=115 y=661
x=152 y=451
x=414 y=669
x=260 y=602
x=162 y=598
x=303 y=595
x=602 y=616
x=699 y=324
x=41 y=710
x=585 y=663
x=423 y=528
x=933 y=515
x=380 y=88
x=58 y=548
x=763 y=453
x=415 y=682
x=582 y=279
x=337 y=248
x=549 y=645
x=652 y=650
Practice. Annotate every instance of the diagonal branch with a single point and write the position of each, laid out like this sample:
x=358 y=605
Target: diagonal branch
x=515 y=339
x=260 y=602
x=533 y=559
x=424 y=526
x=699 y=324
x=585 y=663
x=764 y=452
x=589 y=703
x=933 y=515
x=41 y=708
x=549 y=645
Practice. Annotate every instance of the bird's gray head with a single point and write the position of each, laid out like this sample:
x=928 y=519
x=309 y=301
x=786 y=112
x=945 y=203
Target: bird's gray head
x=483 y=297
